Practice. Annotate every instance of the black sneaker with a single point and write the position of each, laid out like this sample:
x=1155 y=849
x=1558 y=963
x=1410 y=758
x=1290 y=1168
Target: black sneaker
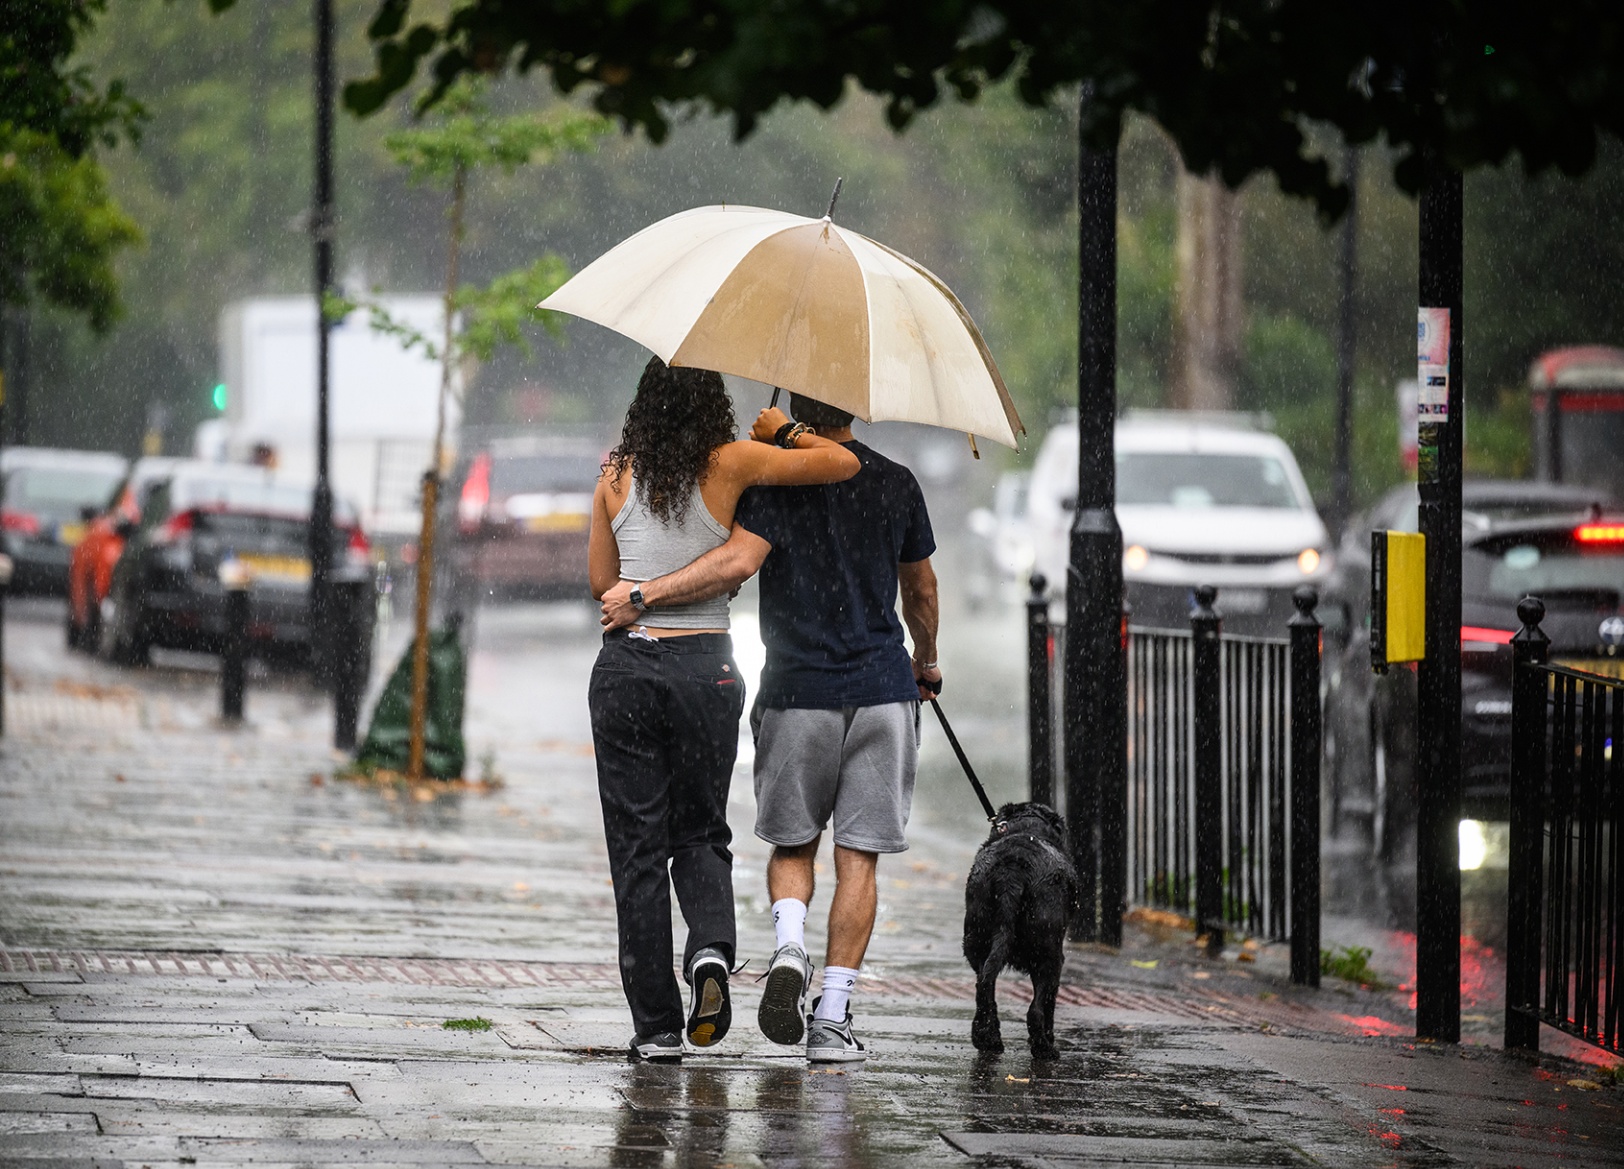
x=666 y=1047
x=710 y=1013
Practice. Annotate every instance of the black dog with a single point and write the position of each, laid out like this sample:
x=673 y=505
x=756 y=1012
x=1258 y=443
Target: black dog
x=1020 y=895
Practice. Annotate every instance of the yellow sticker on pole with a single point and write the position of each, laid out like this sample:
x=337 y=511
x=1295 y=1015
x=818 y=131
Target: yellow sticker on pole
x=1398 y=598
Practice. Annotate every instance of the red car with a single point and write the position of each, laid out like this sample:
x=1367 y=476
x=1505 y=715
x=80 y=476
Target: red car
x=523 y=514
x=90 y=571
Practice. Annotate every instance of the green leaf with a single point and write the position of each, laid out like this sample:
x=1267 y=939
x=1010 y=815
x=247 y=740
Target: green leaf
x=497 y=314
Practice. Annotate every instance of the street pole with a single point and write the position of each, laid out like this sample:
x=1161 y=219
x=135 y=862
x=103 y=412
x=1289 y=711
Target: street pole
x=1346 y=337
x=1095 y=710
x=321 y=229
x=1438 y=760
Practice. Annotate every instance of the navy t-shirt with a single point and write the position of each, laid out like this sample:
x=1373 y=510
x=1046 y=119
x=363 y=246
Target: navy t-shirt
x=829 y=585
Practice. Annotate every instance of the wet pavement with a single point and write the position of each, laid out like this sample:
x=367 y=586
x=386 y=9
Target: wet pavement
x=213 y=952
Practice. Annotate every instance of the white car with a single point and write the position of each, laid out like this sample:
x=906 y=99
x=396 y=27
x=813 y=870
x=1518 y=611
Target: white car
x=1200 y=501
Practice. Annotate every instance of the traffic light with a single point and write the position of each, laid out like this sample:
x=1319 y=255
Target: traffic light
x=220 y=396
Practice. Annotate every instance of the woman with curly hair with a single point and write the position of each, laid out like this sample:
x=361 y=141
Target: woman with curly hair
x=666 y=695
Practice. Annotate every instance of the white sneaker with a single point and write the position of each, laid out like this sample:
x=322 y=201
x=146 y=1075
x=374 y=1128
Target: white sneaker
x=831 y=1042
x=782 y=1015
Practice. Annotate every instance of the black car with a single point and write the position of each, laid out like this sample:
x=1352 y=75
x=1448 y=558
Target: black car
x=1562 y=544
x=166 y=588
x=45 y=496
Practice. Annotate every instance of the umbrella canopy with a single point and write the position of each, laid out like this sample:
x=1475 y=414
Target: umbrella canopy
x=800 y=303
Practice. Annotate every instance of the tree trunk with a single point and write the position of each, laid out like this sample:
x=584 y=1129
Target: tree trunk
x=1208 y=308
x=431 y=495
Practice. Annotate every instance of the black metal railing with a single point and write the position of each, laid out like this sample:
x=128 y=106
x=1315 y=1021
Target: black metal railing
x=1222 y=793
x=1564 y=933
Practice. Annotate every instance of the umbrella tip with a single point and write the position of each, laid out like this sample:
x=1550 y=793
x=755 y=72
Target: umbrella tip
x=830 y=214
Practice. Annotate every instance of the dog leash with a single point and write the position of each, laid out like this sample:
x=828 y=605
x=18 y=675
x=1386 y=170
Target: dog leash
x=964 y=762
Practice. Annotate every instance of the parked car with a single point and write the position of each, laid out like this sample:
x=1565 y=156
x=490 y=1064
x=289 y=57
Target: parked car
x=90 y=570
x=1002 y=556
x=523 y=512
x=1201 y=500
x=166 y=590
x=1556 y=542
x=45 y=496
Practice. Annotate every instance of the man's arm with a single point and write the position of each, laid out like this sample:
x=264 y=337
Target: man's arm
x=920 y=611
x=721 y=570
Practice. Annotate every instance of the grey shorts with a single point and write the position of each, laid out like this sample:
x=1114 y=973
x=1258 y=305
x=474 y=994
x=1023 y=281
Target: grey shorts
x=854 y=766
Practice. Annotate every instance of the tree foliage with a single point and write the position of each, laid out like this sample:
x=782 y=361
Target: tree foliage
x=1237 y=84
x=60 y=231
x=42 y=93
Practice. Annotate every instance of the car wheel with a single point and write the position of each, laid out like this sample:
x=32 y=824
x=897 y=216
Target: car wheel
x=73 y=632
x=90 y=632
x=121 y=640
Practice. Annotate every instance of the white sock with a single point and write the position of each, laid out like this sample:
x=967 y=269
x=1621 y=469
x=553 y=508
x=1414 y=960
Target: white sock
x=789 y=921
x=837 y=985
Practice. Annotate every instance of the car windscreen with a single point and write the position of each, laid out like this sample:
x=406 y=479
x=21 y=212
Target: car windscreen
x=243 y=495
x=1199 y=480
x=522 y=474
x=1547 y=565
x=58 y=492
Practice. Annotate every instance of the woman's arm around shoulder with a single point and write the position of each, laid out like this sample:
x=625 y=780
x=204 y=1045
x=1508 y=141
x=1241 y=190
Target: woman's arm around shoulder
x=758 y=461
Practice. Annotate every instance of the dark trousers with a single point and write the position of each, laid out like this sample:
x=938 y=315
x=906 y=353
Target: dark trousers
x=665 y=722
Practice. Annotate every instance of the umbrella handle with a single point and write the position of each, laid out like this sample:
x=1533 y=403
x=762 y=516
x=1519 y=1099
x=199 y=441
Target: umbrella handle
x=774 y=402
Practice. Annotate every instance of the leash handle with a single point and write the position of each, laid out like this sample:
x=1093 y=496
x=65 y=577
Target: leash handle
x=964 y=762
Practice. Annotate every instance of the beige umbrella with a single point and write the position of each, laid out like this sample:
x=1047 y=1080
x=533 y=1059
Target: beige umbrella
x=800 y=303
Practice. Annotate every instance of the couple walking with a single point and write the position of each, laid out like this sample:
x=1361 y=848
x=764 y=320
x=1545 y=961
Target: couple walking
x=682 y=516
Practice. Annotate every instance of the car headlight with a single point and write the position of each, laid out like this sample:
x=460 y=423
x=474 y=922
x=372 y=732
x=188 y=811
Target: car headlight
x=1308 y=560
x=1135 y=557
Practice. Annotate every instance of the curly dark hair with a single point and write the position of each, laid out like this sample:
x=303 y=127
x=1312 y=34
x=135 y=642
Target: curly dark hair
x=673 y=427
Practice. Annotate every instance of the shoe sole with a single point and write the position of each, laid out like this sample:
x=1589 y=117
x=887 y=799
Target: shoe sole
x=659 y=1055
x=713 y=1014
x=836 y=1055
x=780 y=1013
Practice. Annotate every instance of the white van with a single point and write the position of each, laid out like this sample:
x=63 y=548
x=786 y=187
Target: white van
x=1201 y=500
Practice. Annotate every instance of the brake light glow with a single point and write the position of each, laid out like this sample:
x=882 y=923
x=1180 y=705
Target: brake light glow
x=1599 y=533
x=174 y=529
x=476 y=493
x=20 y=522
x=1483 y=634
x=358 y=550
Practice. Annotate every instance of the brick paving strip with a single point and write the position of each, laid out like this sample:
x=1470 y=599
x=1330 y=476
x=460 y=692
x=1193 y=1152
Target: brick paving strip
x=1207 y=1007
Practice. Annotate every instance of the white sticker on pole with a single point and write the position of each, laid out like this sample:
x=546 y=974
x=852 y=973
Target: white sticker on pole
x=1432 y=365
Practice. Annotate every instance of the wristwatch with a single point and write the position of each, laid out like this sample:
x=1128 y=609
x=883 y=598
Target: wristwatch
x=637 y=598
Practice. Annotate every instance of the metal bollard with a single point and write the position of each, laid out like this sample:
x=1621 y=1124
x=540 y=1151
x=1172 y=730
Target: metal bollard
x=234 y=578
x=1524 y=888
x=1206 y=629
x=1304 y=628
x=350 y=598
x=1039 y=702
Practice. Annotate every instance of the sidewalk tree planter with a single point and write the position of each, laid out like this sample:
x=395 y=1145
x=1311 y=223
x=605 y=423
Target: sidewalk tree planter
x=464 y=136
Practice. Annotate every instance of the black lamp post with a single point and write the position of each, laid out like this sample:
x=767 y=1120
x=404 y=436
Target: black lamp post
x=1438 y=760
x=1095 y=686
x=321 y=230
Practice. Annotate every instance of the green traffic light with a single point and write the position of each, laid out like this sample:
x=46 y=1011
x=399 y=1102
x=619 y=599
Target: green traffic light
x=220 y=396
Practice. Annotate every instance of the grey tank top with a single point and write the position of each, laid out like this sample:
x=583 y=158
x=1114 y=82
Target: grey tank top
x=649 y=548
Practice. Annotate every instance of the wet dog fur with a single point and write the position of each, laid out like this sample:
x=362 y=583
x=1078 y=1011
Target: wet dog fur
x=1019 y=897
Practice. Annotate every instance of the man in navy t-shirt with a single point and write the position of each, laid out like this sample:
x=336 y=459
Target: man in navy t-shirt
x=837 y=719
